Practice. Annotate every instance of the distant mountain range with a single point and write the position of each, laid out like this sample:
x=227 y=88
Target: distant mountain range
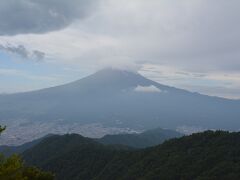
x=208 y=155
x=117 y=98
x=146 y=139
x=10 y=150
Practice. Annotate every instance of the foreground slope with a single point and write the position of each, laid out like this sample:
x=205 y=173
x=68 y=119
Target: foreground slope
x=117 y=98
x=208 y=155
x=71 y=156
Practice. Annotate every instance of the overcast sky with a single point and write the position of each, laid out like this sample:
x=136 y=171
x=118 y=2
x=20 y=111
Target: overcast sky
x=190 y=44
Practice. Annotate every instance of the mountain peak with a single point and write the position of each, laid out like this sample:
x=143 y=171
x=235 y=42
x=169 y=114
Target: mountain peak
x=115 y=71
x=117 y=77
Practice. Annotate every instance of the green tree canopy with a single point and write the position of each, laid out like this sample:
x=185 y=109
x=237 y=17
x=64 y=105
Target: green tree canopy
x=2 y=128
x=13 y=168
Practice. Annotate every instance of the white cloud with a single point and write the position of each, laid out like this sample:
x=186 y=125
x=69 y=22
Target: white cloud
x=198 y=35
x=11 y=72
x=212 y=83
x=148 y=89
x=24 y=74
x=196 y=43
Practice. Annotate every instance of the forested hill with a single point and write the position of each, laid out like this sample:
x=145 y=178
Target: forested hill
x=145 y=139
x=208 y=155
x=10 y=150
x=72 y=156
x=148 y=138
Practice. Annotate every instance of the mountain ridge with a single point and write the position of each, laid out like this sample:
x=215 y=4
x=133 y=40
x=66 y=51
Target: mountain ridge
x=145 y=139
x=137 y=140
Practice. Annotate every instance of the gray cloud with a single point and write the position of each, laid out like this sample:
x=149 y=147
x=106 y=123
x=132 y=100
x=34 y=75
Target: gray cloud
x=194 y=42
x=39 y=55
x=40 y=16
x=199 y=35
x=21 y=51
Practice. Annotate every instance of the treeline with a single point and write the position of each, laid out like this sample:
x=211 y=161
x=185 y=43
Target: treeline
x=208 y=155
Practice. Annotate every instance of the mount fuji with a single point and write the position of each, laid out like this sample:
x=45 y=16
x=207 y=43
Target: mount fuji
x=120 y=99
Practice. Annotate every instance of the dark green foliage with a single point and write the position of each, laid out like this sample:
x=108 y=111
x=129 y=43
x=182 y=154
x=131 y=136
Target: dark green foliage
x=2 y=128
x=146 y=139
x=208 y=155
x=71 y=156
x=13 y=168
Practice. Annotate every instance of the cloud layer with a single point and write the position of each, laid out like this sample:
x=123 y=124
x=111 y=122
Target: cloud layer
x=188 y=44
x=198 y=36
x=22 y=52
x=40 y=16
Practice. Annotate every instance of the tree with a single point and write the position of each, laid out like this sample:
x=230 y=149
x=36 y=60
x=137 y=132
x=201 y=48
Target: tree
x=13 y=168
x=2 y=128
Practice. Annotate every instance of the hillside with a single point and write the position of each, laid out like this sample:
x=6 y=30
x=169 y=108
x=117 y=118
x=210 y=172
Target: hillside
x=146 y=139
x=208 y=155
x=140 y=140
x=71 y=156
x=9 y=150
